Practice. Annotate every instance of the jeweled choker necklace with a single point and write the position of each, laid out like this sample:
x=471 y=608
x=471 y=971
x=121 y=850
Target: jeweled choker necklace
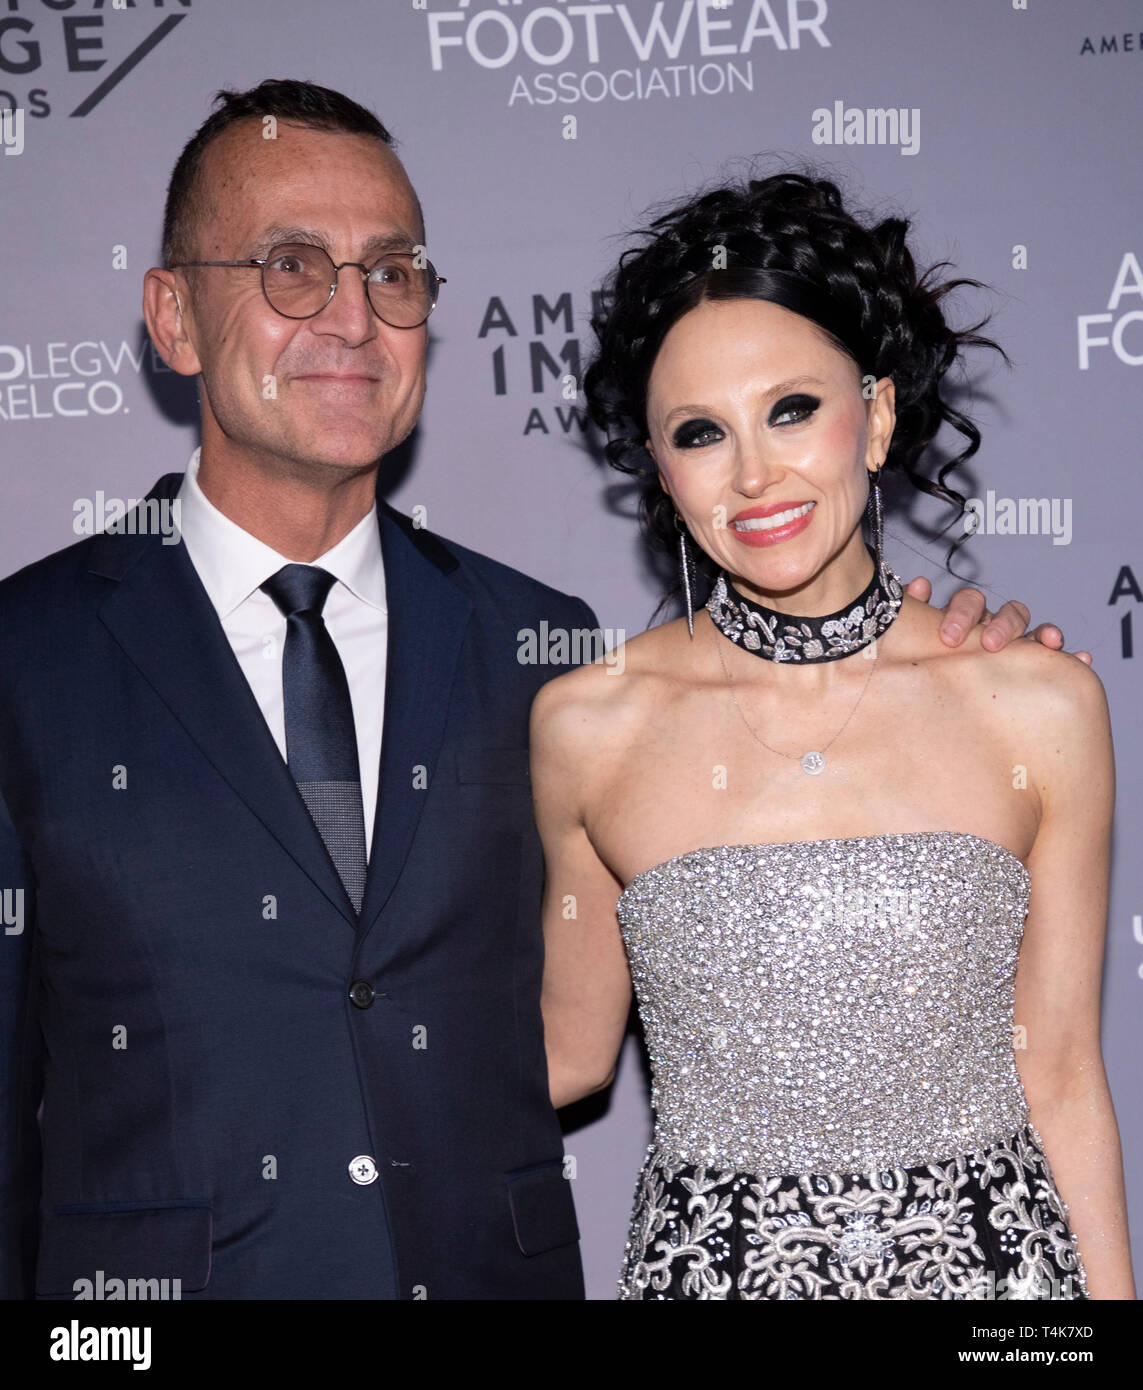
x=787 y=637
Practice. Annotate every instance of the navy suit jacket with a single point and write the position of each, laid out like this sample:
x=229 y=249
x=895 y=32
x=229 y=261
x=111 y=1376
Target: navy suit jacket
x=179 y=998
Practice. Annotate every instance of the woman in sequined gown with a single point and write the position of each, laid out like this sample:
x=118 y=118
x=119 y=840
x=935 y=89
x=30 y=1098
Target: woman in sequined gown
x=856 y=877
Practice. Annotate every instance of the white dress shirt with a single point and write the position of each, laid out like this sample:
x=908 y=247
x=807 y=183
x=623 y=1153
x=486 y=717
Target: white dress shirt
x=232 y=564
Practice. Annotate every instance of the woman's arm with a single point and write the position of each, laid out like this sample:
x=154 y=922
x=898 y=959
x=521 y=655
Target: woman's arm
x=587 y=983
x=1057 y=988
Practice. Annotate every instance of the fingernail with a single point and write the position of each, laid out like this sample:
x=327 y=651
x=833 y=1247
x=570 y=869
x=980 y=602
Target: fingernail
x=953 y=630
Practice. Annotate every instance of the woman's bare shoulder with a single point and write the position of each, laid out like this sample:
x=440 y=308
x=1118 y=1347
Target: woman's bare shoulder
x=1048 y=691
x=593 y=704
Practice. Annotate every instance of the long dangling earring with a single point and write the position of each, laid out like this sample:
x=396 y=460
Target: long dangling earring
x=874 y=507
x=687 y=565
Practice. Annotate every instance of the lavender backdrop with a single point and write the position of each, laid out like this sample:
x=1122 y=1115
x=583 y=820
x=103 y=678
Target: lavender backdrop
x=535 y=135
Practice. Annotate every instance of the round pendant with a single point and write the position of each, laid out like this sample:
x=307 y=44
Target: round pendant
x=812 y=763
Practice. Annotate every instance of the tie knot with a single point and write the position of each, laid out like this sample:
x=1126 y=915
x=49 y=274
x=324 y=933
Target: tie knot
x=298 y=588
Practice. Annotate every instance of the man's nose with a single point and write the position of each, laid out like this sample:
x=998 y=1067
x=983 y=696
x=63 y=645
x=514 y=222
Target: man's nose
x=349 y=313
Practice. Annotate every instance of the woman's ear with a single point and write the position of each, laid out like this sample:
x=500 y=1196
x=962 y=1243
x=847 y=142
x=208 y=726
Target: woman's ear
x=882 y=421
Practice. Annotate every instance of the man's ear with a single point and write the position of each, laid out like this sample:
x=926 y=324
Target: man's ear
x=169 y=327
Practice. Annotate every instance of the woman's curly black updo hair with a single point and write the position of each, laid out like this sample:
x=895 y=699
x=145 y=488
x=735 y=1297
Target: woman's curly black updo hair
x=788 y=239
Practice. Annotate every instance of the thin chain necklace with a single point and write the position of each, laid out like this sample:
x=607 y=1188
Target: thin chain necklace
x=812 y=761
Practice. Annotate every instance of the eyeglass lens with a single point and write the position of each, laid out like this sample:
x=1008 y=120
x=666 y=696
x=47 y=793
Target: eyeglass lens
x=298 y=280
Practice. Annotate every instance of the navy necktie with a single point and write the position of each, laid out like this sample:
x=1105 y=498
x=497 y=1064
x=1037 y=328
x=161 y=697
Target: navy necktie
x=321 y=743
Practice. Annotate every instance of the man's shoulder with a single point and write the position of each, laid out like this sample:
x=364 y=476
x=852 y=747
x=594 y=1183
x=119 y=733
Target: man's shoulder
x=486 y=578
x=42 y=585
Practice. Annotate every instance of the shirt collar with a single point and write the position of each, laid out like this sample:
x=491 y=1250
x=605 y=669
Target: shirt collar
x=233 y=564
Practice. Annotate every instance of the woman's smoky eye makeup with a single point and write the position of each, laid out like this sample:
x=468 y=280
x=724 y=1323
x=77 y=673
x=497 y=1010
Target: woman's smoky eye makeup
x=801 y=405
x=693 y=434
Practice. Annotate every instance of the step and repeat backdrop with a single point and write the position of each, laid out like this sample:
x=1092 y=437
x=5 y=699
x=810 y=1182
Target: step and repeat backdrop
x=537 y=136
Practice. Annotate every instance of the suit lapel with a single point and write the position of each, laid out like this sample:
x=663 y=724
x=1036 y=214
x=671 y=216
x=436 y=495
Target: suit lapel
x=162 y=617
x=427 y=617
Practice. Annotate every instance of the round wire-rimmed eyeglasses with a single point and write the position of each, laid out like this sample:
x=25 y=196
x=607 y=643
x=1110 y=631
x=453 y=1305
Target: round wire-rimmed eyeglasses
x=299 y=280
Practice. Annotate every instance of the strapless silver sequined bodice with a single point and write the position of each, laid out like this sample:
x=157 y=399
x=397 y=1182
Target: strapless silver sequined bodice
x=830 y=1005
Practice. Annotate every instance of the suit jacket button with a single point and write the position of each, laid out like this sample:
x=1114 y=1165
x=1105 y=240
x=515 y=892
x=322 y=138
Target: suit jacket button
x=361 y=992
x=363 y=1170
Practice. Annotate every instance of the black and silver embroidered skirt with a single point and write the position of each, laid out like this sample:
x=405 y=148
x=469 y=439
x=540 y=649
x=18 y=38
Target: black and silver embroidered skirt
x=983 y=1225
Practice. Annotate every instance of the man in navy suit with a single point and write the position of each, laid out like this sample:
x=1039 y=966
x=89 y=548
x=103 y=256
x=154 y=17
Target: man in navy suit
x=270 y=881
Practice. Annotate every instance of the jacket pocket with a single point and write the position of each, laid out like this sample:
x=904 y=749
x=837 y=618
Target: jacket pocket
x=121 y=1240
x=543 y=1213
